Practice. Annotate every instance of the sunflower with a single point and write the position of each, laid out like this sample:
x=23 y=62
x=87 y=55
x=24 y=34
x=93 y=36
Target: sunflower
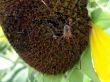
x=100 y=46
x=99 y=40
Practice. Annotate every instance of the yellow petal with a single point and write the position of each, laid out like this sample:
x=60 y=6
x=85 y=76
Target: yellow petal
x=100 y=47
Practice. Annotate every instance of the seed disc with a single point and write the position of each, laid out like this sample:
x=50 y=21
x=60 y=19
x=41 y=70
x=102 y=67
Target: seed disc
x=49 y=35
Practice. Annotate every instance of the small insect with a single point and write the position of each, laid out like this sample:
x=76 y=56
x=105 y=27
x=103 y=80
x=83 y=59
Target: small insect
x=67 y=32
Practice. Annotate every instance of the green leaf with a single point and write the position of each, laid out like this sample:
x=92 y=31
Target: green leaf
x=86 y=65
x=5 y=63
x=103 y=20
x=39 y=77
x=52 y=78
x=96 y=14
x=99 y=11
x=12 y=73
x=34 y=76
x=4 y=46
x=75 y=76
x=1 y=31
x=21 y=76
x=86 y=79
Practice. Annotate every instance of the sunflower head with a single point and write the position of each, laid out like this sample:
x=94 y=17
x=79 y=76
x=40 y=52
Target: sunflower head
x=49 y=35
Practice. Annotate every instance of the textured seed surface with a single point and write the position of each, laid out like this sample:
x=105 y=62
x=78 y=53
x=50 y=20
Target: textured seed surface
x=49 y=35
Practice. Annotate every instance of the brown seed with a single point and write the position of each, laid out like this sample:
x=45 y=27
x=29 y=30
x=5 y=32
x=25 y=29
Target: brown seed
x=48 y=36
